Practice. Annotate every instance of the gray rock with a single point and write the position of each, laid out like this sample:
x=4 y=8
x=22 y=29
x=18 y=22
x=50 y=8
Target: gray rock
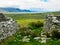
x=52 y=22
x=8 y=27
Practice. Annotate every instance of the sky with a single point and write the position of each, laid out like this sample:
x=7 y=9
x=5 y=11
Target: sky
x=53 y=5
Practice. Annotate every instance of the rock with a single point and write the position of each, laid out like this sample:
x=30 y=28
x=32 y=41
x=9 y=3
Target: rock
x=25 y=39
x=37 y=38
x=52 y=21
x=43 y=40
x=8 y=27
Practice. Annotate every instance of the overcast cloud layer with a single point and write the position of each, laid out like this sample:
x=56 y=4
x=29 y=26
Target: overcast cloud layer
x=26 y=4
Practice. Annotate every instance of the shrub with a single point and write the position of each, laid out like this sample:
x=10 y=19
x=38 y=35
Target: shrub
x=55 y=34
x=34 y=34
x=34 y=25
x=48 y=34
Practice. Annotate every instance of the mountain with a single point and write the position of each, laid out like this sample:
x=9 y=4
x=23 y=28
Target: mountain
x=9 y=9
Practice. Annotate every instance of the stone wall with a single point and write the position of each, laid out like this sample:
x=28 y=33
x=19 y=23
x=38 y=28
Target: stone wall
x=8 y=27
x=51 y=22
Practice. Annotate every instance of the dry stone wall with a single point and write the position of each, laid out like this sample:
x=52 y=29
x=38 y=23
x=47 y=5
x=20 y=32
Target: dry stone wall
x=8 y=27
x=52 y=22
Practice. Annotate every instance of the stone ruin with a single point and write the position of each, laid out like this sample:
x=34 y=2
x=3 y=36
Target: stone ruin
x=51 y=22
x=8 y=26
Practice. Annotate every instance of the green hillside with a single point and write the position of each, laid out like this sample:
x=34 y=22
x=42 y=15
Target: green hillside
x=31 y=15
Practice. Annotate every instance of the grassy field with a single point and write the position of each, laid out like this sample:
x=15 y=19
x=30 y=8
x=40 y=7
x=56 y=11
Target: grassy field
x=30 y=28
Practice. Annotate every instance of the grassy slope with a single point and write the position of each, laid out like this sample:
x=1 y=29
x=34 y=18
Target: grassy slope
x=26 y=16
x=31 y=16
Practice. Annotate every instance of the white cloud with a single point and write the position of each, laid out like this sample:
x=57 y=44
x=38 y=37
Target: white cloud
x=20 y=3
x=53 y=5
x=23 y=4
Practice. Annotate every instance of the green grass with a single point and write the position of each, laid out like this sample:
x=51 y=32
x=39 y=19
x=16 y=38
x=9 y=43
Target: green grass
x=26 y=16
x=53 y=42
x=27 y=21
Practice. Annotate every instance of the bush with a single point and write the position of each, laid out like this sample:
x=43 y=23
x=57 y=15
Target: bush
x=55 y=34
x=34 y=25
x=31 y=29
x=48 y=34
x=34 y=33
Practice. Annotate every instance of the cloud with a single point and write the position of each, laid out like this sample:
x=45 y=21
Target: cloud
x=20 y=3
x=53 y=5
x=26 y=4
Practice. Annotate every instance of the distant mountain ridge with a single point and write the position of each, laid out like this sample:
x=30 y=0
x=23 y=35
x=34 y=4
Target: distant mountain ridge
x=13 y=9
x=7 y=9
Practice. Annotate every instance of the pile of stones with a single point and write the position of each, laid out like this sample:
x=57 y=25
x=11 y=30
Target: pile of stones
x=8 y=26
x=51 y=22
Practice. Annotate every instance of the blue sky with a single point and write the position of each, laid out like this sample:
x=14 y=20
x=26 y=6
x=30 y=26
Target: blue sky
x=44 y=0
x=27 y=4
